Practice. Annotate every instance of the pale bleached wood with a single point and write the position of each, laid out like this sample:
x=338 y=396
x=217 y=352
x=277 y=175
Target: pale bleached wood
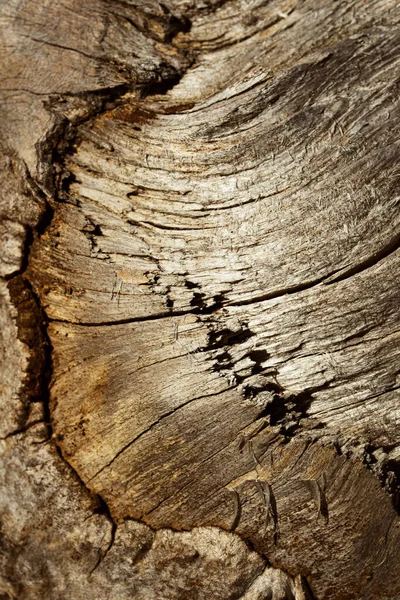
x=216 y=278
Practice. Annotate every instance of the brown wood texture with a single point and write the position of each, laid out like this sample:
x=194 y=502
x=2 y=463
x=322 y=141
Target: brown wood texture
x=199 y=225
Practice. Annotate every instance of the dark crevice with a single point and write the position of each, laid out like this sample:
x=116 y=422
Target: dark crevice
x=126 y=321
x=92 y=231
x=52 y=187
x=59 y=46
x=282 y=292
x=373 y=260
x=23 y=429
x=158 y=27
x=32 y=323
x=258 y=357
x=159 y=88
x=181 y=24
x=201 y=308
x=220 y=344
x=102 y=509
x=169 y=303
x=306 y=588
x=286 y=410
x=386 y=469
x=205 y=306
x=260 y=385
x=330 y=279
x=227 y=337
x=190 y=285
x=163 y=227
x=98 y=505
x=390 y=479
x=295 y=405
x=31 y=327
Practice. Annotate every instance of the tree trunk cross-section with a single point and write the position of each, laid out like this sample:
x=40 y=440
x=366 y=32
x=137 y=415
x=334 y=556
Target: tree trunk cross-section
x=199 y=228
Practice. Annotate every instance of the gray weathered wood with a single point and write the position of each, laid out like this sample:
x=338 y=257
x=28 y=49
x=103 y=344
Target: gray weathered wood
x=199 y=229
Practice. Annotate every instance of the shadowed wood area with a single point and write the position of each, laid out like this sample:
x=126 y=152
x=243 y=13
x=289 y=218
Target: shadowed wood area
x=199 y=225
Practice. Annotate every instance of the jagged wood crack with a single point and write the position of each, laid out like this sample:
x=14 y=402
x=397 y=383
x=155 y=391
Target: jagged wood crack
x=213 y=259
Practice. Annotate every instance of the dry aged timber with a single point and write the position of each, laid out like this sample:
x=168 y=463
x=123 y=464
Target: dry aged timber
x=199 y=231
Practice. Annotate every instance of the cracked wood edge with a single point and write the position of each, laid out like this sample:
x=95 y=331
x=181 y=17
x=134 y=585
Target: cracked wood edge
x=215 y=307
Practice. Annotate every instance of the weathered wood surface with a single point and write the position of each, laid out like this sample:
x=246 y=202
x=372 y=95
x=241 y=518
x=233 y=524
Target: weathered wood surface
x=199 y=230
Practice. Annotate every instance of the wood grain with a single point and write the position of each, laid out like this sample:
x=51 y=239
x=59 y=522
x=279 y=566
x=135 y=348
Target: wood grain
x=210 y=278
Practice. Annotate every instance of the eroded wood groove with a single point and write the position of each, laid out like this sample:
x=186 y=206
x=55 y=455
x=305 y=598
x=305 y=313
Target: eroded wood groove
x=202 y=188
